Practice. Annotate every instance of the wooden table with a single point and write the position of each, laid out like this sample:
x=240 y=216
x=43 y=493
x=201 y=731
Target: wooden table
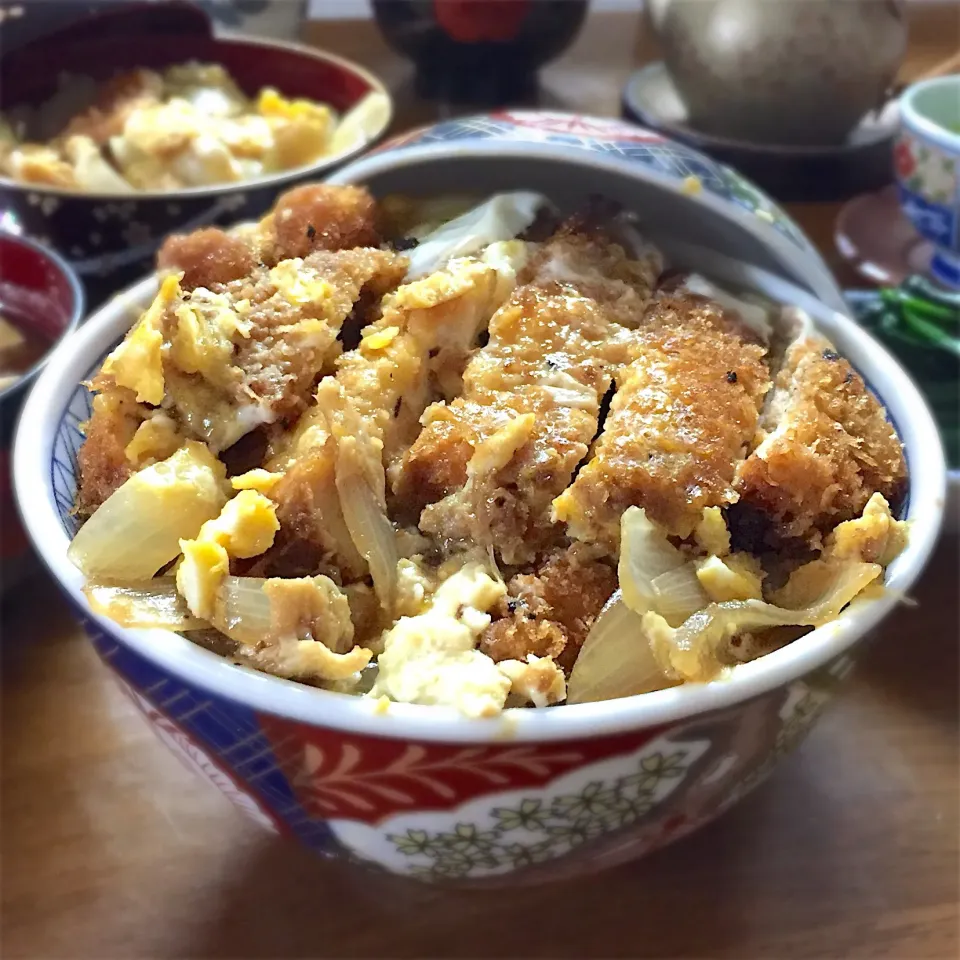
x=111 y=849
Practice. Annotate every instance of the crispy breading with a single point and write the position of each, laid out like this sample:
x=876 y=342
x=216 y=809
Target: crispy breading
x=679 y=425
x=305 y=219
x=549 y=613
x=232 y=360
x=530 y=402
x=207 y=257
x=586 y=258
x=387 y=382
x=317 y=216
x=252 y=351
x=102 y=458
x=828 y=448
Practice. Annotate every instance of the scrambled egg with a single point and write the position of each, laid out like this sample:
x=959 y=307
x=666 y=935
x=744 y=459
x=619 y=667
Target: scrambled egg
x=245 y=528
x=155 y=439
x=432 y=658
x=137 y=363
x=874 y=537
x=737 y=577
x=536 y=680
x=379 y=339
x=496 y=451
x=413 y=587
x=299 y=284
x=191 y=126
x=204 y=339
x=711 y=533
x=263 y=481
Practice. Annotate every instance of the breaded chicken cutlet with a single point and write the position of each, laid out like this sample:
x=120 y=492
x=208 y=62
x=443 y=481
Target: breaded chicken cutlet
x=412 y=355
x=680 y=424
x=224 y=359
x=827 y=447
x=305 y=219
x=549 y=613
x=487 y=466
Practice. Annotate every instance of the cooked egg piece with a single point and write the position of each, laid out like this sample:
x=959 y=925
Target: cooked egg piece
x=263 y=481
x=137 y=363
x=737 y=577
x=536 y=680
x=432 y=658
x=245 y=527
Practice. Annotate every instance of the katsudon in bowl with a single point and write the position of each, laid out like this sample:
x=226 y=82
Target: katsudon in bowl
x=412 y=450
x=369 y=474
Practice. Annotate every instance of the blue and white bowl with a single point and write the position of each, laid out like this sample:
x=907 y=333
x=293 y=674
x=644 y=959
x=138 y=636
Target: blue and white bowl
x=532 y=795
x=927 y=161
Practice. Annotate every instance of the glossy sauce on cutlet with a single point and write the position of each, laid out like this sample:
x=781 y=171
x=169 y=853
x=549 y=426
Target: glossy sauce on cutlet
x=829 y=449
x=679 y=424
x=551 y=355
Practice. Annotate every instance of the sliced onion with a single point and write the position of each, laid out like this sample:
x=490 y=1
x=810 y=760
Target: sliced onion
x=361 y=485
x=138 y=528
x=645 y=554
x=755 y=315
x=265 y=613
x=153 y=603
x=502 y=217
x=616 y=660
x=698 y=649
x=679 y=593
x=243 y=609
x=370 y=528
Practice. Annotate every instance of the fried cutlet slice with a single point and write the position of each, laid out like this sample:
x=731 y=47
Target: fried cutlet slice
x=414 y=351
x=679 y=425
x=500 y=452
x=208 y=257
x=827 y=448
x=251 y=353
x=223 y=363
x=102 y=458
x=305 y=219
x=583 y=257
x=549 y=613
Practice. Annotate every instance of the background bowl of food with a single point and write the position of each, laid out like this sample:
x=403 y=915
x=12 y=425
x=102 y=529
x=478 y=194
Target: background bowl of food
x=682 y=691
x=41 y=301
x=141 y=121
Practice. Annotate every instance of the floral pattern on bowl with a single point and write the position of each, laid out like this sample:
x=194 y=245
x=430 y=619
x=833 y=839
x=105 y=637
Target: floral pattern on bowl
x=447 y=813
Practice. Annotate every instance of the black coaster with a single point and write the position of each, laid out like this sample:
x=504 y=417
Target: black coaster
x=863 y=162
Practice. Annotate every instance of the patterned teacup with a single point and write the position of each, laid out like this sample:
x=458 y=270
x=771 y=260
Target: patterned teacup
x=928 y=169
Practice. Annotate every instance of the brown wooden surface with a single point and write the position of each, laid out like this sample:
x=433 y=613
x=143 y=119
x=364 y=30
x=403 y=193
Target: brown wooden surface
x=111 y=849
